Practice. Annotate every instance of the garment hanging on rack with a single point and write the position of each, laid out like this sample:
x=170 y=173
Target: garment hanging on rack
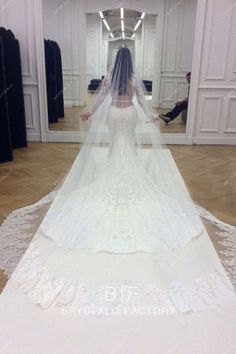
x=5 y=134
x=12 y=92
x=51 y=81
x=54 y=81
x=59 y=80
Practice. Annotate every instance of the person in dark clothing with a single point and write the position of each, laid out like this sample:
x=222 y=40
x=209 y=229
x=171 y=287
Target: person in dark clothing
x=179 y=106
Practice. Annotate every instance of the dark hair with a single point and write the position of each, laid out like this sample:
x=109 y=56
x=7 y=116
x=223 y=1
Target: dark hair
x=189 y=73
x=123 y=67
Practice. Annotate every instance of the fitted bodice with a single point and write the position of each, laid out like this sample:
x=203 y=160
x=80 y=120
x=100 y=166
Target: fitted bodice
x=122 y=123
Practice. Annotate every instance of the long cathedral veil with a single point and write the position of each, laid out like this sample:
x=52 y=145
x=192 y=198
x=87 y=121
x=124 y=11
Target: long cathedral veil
x=57 y=271
x=121 y=87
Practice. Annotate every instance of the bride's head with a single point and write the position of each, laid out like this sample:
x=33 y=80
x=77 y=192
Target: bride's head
x=122 y=71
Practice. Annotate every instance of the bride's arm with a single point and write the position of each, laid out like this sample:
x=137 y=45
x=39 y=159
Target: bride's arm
x=103 y=92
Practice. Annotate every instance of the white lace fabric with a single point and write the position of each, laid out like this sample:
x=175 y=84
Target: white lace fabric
x=174 y=281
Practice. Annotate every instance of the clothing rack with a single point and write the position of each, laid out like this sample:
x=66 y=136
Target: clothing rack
x=12 y=110
x=54 y=80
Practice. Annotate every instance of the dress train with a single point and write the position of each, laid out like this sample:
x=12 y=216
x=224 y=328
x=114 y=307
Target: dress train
x=123 y=230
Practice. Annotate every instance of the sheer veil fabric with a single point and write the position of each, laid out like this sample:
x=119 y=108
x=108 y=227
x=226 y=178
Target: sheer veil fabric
x=123 y=216
x=122 y=179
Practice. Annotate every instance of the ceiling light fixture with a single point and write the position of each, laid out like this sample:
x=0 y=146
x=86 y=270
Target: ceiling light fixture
x=142 y=16
x=122 y=26
x=106 y=24
x=111 y=34
x=122 y=13
x=137 y=25
x=133 y=36
x=123 y=35
x=101 y=14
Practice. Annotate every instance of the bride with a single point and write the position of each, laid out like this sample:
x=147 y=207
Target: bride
x=123 y=217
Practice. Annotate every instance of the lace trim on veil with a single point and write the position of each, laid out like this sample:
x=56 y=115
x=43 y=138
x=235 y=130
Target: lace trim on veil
x=55 y=290
x=15 y=237
x=16 y=233
x=227 y=239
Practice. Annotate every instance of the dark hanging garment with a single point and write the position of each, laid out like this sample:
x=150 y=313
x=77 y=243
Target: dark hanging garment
x=50 y=63
x=5 y=135
x=59 y=80
x=14 y=88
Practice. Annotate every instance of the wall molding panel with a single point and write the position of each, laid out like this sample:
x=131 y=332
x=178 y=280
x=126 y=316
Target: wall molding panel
x=217 y=45
x=29 y=99
x=230 y=122
x=178 y=38
x=210 y=113
x=173 y=88
x=148 y=39
x=93 y=48
x=71 y=90
x=215 y=120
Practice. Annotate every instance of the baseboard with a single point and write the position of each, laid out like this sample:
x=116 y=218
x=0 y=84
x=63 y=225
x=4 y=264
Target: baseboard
x=33 y=137
x=73 y=103
x=66 y=137
x=176 y=139
x=202 y=140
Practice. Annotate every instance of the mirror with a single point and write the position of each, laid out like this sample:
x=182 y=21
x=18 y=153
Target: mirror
x=64 y=97
x=143 y=33
x=177 y=53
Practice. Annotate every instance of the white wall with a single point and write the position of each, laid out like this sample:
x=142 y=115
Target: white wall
x=179 y=26
x=94 y=47
x=215 y=117
x=148 y=47
x=105 y=36
x=138 y=50
x=61 y=23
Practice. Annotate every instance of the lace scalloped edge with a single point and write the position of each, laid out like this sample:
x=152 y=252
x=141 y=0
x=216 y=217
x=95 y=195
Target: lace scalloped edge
x=227 y=239
x=15 y=233
x=15 y=236
x=53 y=290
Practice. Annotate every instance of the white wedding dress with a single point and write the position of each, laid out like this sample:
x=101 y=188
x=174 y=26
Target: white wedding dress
x=123 y=210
